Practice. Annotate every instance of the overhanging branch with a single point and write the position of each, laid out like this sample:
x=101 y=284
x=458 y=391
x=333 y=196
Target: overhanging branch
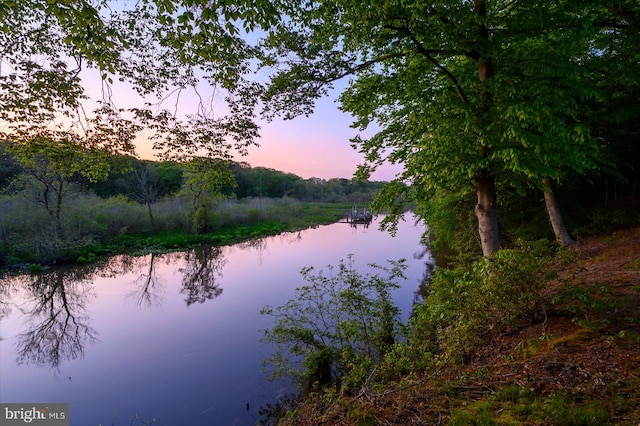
x=428 y=54
x=365 y=65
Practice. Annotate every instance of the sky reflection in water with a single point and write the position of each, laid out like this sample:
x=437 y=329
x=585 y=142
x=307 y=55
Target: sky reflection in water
x=173 y=336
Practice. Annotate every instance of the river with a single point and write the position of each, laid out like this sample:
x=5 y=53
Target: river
x=173 y=337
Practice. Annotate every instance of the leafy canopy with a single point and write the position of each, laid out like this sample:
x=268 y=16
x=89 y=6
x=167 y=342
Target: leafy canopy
x=158 y=47
x=452 y=89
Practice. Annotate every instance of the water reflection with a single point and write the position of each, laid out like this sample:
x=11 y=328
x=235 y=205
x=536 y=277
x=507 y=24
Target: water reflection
x=426 y=256
x=148 y=290
x=54 y=303
x=196 y=366
x=118 y=265
x=203 y=266
x=5 y=298
x=356 y=225
x=58 y=327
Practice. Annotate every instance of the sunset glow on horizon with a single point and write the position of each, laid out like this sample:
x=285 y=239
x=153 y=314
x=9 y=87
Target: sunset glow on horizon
x=315 y=146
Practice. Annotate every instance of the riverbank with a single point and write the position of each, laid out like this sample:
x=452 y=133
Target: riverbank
x=575 y=363
x=273 y=219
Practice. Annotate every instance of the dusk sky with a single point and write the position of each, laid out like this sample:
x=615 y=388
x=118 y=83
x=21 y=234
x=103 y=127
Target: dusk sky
x=315 y=146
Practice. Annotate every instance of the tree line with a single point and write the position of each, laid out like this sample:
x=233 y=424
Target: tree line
x=151 y=179
x=57 y=198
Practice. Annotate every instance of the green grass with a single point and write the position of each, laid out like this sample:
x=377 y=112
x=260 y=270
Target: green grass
x=517 y=405
x=118 y=226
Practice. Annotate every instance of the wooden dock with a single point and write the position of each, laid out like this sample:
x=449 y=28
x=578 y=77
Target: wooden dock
x=359 y=216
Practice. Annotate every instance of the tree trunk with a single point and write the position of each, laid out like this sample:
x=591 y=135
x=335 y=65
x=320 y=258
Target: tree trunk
x=153 y=227
x=487 y=215
x=555 y=217
x=485 y=181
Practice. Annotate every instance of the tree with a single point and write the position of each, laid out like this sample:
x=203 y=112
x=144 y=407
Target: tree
x=614 y=70
x=9 y=167
x=448 y=85
x=205 y=176
x=160 y=47
x=171 y=176
x=49 y=162
x=145 y=187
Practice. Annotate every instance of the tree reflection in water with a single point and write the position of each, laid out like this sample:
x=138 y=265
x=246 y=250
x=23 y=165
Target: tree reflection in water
x=6 y=289
x=203 y=266
x=148 y=290
x=259 y=245
x=58 y=327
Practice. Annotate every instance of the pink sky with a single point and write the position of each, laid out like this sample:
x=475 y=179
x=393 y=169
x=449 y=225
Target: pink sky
x=315 y=146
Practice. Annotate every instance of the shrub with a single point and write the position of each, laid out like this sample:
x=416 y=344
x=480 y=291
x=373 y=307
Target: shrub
x=465 y=303
x=336 y=328
x=200 y=219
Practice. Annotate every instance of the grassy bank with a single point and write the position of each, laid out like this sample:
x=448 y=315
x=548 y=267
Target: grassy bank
x=538 y=336
x=95 y=226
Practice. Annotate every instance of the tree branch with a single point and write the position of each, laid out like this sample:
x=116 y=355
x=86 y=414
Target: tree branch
x=428 y=54
x=365 y=65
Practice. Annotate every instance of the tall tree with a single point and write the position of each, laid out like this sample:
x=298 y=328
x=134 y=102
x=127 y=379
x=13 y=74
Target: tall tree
x=448 y=85
x=49 y=162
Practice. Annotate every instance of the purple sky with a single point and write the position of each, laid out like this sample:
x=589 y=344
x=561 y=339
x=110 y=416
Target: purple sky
x=315 y=146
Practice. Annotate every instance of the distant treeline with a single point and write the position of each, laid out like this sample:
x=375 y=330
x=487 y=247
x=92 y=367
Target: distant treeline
x=167 y=178
x=62 y=203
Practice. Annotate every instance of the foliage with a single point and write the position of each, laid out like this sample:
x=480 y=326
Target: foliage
x=118 y=224
x=468 y=96
x=61 y=176
x=338 y=326
x=614 y=66
x=518 y=405
x=588 y=302
x=465 y=303
x=49 y=163
x=264 y=182
x=452 y=225
x=205 y=177
x=9 y=167
x=132 y=177
x=525 y=371
x=160 y=48
x=461 y=104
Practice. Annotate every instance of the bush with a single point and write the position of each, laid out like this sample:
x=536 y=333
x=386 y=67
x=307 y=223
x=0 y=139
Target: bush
x=200 y=219
x=336 y=328
x=465 y=303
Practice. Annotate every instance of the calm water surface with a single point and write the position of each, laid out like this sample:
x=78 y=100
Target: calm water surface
x=175 y=336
